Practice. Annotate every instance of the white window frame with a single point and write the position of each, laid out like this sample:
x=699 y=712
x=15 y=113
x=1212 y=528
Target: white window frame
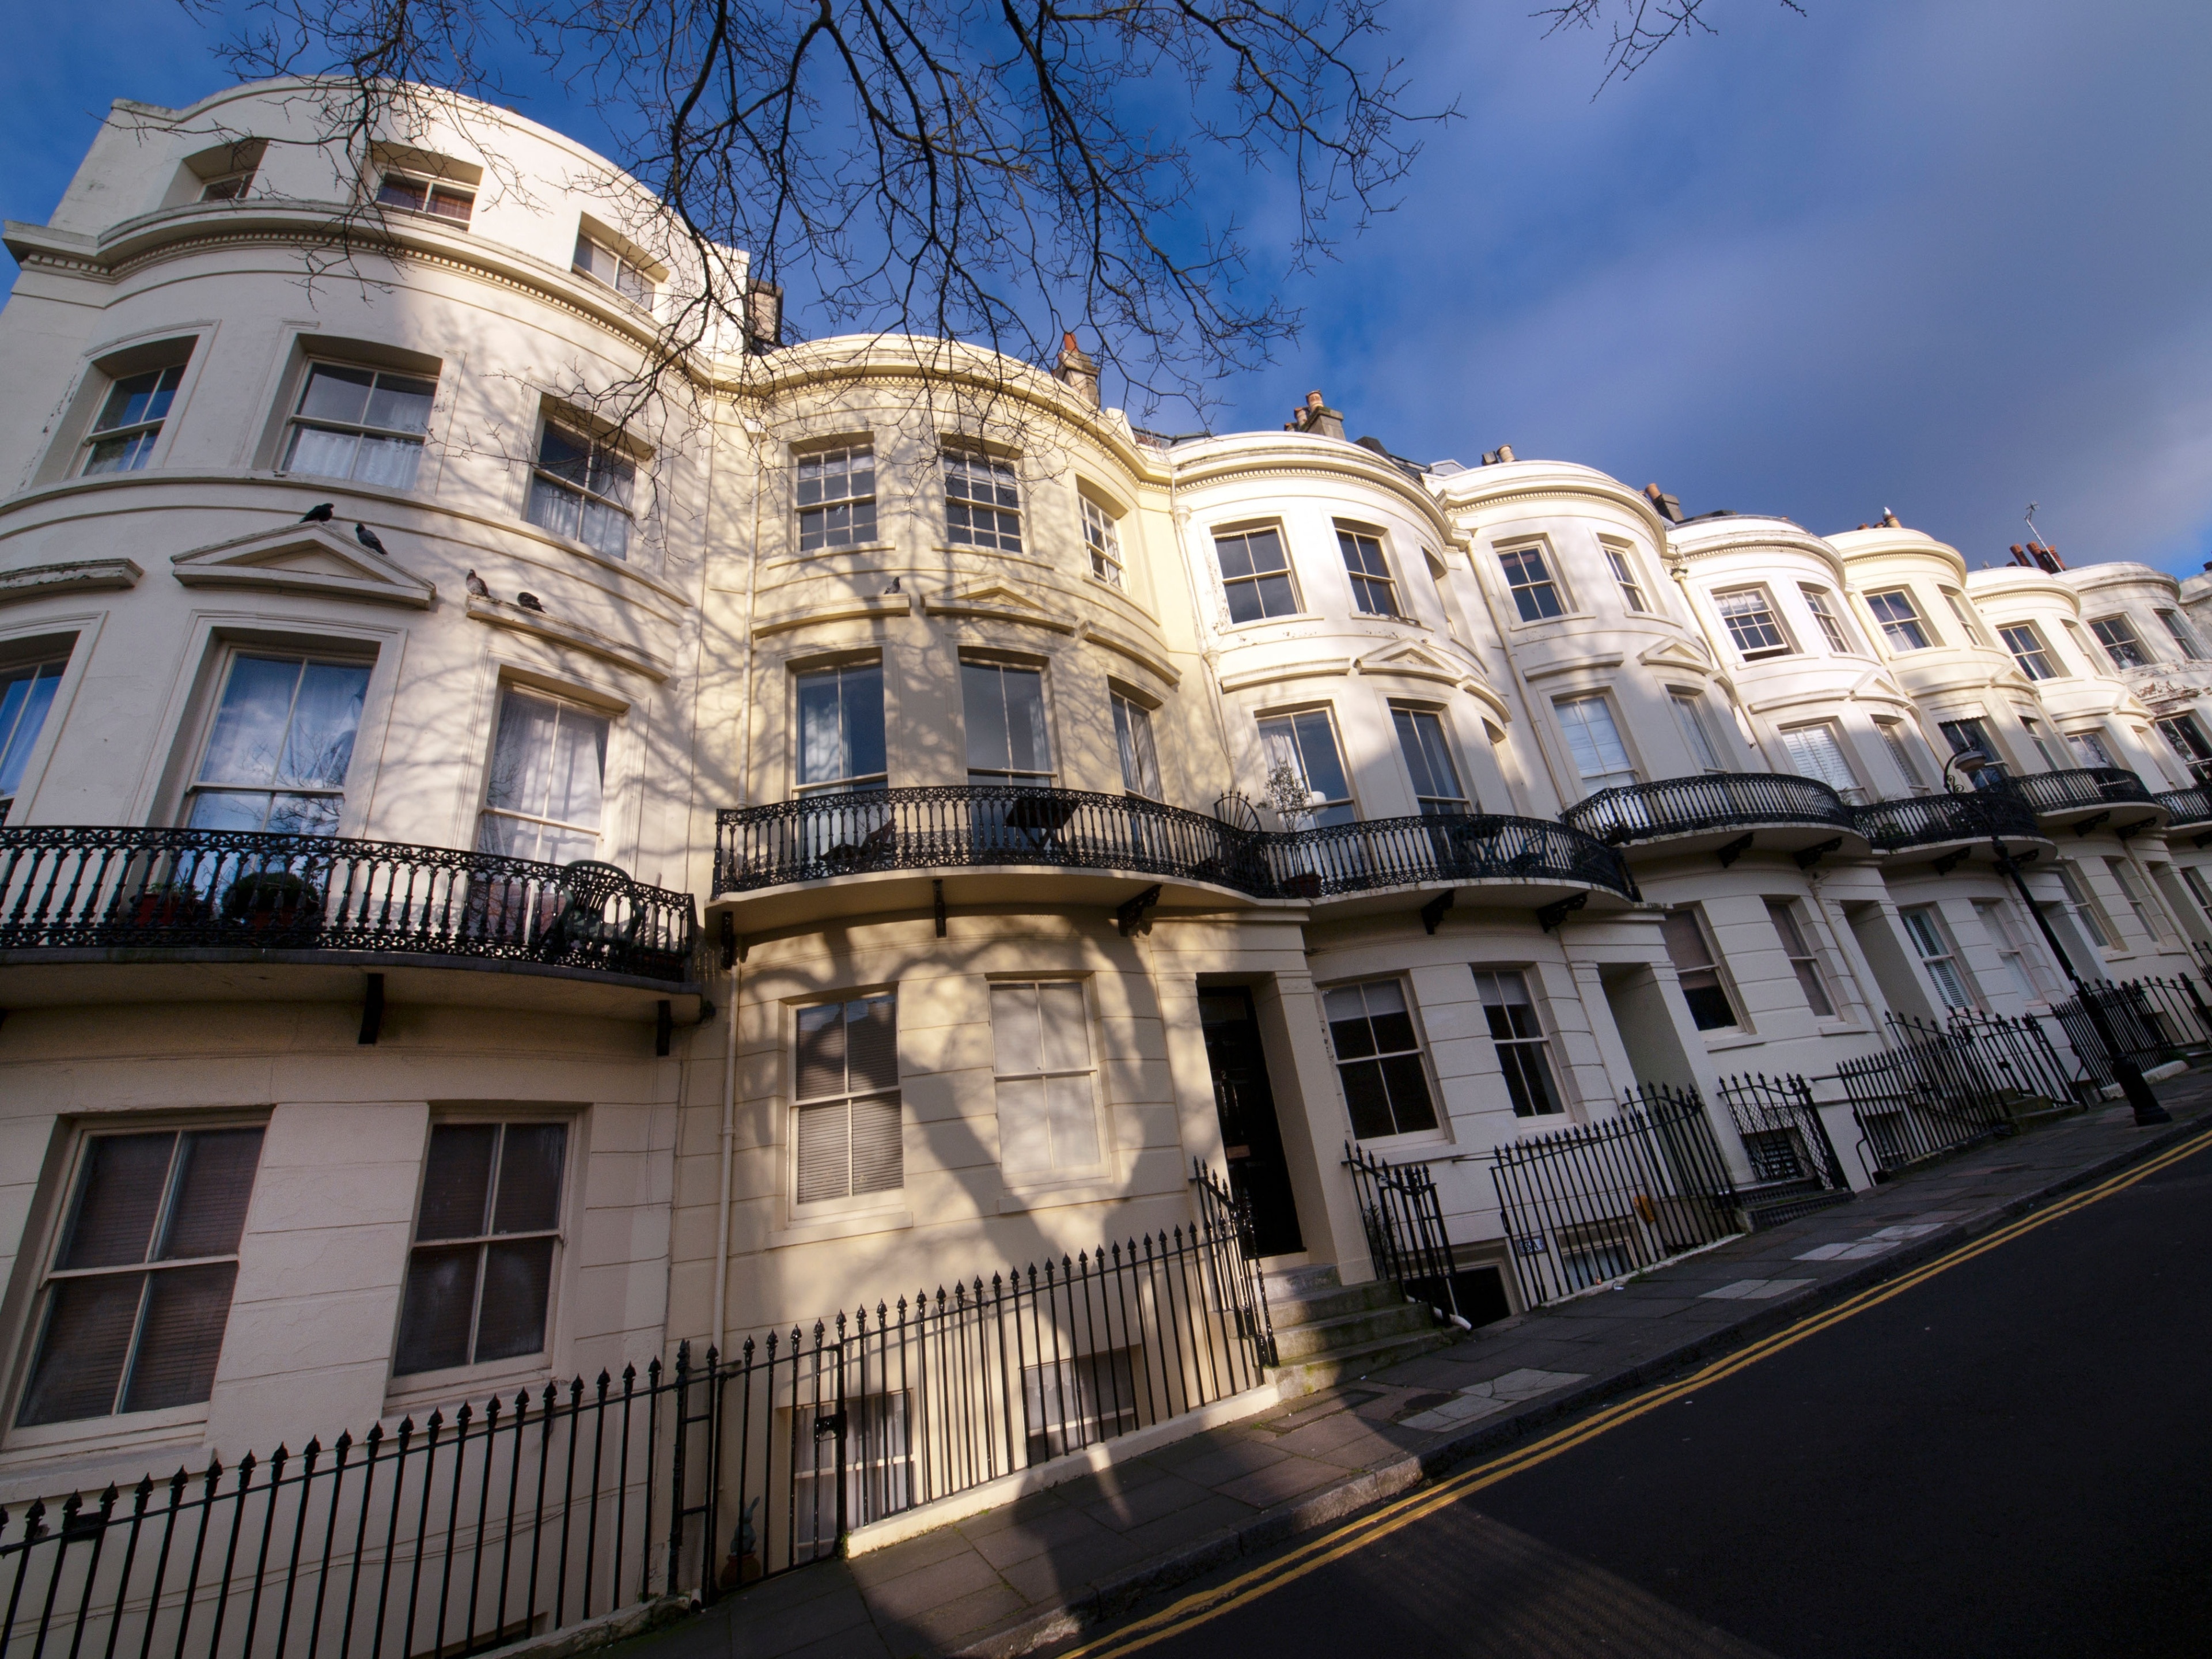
x=1257 y=577
x=298 y=421
x=1897 y=737
x=1008 y=775
x=534 y=1360
x=2117 y=635
x=1752 y=607
x=629 y=278
x=1432 y=804
x=18 y=744
x=853 y=782
x=622 y=466
x=859 y=528
x=1289 y=718
x=2012 y=949
x=998 y=475
x=1621 y=562
x=2089 y=747
x=396 y=180
x=565 y=706
x=874 y=1198
x=2158 y=927
x=1821 y=602
x=1514 y=563
x=1134 y=744
x=1613 y=778
x=139 y=437
x=1833 y=767
x=2040 y=735
x=1969 y=624
x=1102 y=539
x=1799 y=946
x=1492 y=994
x=1722 y=981
x=106 y=1425
x=1939 y=958
x=1357 y=540
x=1697 y=730
x=1900 y=618
x=1056 y=1170
x=2029 y=651
x=2082 y=902
x=338 y=657
x=2185 y=636
x=1419 y=1049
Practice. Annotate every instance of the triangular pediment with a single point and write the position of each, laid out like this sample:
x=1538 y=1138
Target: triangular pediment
x=1418 y=661
x=1676 y=654
x=310 y=559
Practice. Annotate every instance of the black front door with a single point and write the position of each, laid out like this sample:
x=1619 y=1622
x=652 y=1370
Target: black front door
x=1257 y=1173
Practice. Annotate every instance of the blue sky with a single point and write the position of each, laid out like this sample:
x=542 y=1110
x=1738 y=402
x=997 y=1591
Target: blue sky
x=1944 y=257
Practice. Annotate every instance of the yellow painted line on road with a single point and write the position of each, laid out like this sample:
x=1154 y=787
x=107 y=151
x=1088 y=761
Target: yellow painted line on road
x=1203 y=1605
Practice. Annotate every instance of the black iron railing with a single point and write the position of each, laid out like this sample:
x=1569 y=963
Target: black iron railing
x=2152 y=1019
x=1589 y=1204
x=1930 y=820
x=1782 y=1131
x=1717 y=800
x=1378 y=853
x=1937 y=1088
x=1405 y=1224
x=825 y=836
x=2186 y=809
x=470 y=1530
x=2076 y=788
x=875 y=1411
x=449 y=1536
x=153 y=889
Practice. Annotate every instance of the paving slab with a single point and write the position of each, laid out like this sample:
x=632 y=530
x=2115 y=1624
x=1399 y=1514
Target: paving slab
x=1038 y=1572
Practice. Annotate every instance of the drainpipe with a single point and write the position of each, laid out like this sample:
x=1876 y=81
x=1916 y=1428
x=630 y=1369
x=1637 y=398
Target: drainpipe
x=728 y=1139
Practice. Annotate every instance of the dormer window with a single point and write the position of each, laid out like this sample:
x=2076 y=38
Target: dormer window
x=425 y=195
x=612 y=268
x=228 y=188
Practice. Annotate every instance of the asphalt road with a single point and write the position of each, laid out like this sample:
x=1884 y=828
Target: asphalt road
x=2013 y=1457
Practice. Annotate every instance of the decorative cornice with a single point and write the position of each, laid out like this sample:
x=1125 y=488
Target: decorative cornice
x=500 y=613
x=38 y=581
x=1609 y=659
x=851 y=608
x=1323 y=668
x=1106 y=639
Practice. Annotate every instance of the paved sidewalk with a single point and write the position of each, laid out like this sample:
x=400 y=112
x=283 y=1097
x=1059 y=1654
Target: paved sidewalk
x=1014 y=1580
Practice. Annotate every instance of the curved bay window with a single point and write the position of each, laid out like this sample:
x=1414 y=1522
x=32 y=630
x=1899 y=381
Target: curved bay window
x=358 y=423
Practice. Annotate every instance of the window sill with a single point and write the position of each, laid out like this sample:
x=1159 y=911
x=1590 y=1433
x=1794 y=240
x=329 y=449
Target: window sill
x=1415 y=1141
x=1274 y=622
x=1046 y=1193
x=116 y=1433
x=808 y=555
x=803 y=1230
x=498 y=1377
x=1738 y=1036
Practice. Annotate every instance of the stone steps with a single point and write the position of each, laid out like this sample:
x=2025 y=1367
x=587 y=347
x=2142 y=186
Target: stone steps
x=1326 y=1331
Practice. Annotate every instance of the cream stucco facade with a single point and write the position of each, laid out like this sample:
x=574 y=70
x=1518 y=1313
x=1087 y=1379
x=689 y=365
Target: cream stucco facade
x=785 y=646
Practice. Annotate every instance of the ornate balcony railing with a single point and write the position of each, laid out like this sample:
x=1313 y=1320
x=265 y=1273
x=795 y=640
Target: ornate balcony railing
x=2079 y=789
x=156 y=889
x=1717 y=800
x=1930 y=820
x=822 y=837
x=1377 y=852
x=2189 y=808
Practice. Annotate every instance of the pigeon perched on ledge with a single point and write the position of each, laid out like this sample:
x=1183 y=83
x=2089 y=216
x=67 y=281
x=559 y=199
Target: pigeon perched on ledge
x=318 y=514
x=476 y=585
x=529 y=602
x=367 y=537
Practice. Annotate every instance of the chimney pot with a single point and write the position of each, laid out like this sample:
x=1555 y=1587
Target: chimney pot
x=1077 y=370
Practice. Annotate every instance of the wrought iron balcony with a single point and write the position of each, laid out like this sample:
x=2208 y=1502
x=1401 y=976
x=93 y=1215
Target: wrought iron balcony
x=1890 y=826
x=824 y=837
x=1717 y=800
x=2083 y=792
x=161 y=890
x=2187 y=809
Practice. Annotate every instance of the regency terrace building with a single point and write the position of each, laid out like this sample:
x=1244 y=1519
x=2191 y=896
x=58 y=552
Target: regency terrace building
x=832 y=835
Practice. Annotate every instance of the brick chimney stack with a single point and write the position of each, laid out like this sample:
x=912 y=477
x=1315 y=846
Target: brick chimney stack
x=1077 y=370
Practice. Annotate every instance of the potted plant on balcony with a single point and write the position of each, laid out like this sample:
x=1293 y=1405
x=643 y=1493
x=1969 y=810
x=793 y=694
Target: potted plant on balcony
x=168 y=905
x=1291 y=796
x=273 y=901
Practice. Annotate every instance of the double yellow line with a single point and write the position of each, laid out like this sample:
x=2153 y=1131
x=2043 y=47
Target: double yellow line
x=1205 y=1605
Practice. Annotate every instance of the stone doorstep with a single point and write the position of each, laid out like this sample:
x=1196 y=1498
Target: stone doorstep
x=1115 y=1595
x=1070 y=1466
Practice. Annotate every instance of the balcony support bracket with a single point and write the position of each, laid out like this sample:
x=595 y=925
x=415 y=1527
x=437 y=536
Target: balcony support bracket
x=1812 y=855
x=2125 y=831
x=2204 y=838
x=1952 y=859
x=1433 y=911
x=1560 y=909
x=1136 y=916
x=937 y=887
x=2090 y=822
x=371 y=1010
x=664 y=1027
x=1736 y=849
